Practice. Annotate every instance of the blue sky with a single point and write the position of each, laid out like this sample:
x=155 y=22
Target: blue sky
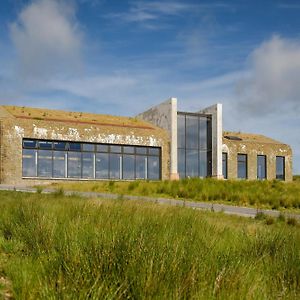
x=121 y=57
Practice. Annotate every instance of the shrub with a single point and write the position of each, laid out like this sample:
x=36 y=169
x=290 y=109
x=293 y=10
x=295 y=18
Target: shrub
x=291 y=221
x=281 y=217
x=269 y=220
x=260 y=216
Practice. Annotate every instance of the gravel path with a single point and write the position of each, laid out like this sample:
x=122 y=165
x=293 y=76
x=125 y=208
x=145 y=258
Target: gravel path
x=227 y=209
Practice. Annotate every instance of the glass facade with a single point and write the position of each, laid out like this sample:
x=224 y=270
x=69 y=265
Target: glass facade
x=58 y=159
x=280 y=167
x=242 y=166
x=261 y=167
x=194 y=138
x=224 y=165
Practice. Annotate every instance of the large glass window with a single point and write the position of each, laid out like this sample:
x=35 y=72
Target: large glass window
x=61 y=159
x=242 y=166
x=280 y=167
x=261 y=167
x=224 y=165
x=194 y=145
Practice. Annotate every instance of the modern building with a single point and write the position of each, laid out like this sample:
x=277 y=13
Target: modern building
x=41 y=146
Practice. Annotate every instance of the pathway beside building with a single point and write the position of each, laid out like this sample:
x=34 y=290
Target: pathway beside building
x=216 y=207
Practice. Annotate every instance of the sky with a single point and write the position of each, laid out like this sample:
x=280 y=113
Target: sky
x=121 y=57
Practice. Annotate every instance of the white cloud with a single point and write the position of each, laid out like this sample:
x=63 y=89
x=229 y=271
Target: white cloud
x=47 y=38
x=274 y=83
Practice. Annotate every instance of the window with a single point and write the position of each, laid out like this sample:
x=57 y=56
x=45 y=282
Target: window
x=224 y=165
x=60 y=159
x=280 y=167
x=153 y=167
x=87 y=165
x=45 y=163
x=128 y=167
x=261 y=167
x=141 y=167
x=29 y=163
x=102 y=165
x=242 y=166
x=74 y=164
x=59 y=163
x=194 y=145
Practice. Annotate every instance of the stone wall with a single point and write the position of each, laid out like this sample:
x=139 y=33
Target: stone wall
x=252 y=149
x=164 y=116
x=14 y=130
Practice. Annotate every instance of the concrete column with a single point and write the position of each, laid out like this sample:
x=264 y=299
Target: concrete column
x=164 y=116
x=217 y=133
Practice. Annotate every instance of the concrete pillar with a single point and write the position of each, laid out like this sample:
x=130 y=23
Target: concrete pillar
x=217 y=132
x=164 y=116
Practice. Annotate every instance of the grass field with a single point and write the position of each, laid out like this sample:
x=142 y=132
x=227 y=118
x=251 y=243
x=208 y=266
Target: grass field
x=260 y=194
x=57 y=247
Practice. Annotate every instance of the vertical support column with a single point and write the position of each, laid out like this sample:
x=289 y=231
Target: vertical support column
x=164 y=116
x=217 y=134
x=174 y=161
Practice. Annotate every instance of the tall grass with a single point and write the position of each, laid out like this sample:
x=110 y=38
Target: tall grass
x=70 y=248
x=261 y=194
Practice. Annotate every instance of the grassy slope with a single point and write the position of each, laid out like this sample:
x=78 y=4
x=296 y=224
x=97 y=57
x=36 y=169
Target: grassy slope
x=262 y=194
x=69 y=248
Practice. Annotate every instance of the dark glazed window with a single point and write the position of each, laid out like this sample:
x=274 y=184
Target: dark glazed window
x=203 y=128
x=115 y=149
x=102 y=148
x=203 y=163
x=29 y=163
x=191 y=163
x=224 y=165
x=141 y=150
x=59 y=145
x=191 y=132
x=74 y=146
x=280 y=167
x=29 y=144
x=242 y=166
x=181 y=131
x=45 y=145
x=194 y=145
x=261 y=167
x=88 y=147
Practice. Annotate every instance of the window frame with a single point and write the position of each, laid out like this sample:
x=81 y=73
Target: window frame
x=246 y=165
x=265 y=168
x=225 y=176
x=98 y=148
x=184 y=148
x=283 y=167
